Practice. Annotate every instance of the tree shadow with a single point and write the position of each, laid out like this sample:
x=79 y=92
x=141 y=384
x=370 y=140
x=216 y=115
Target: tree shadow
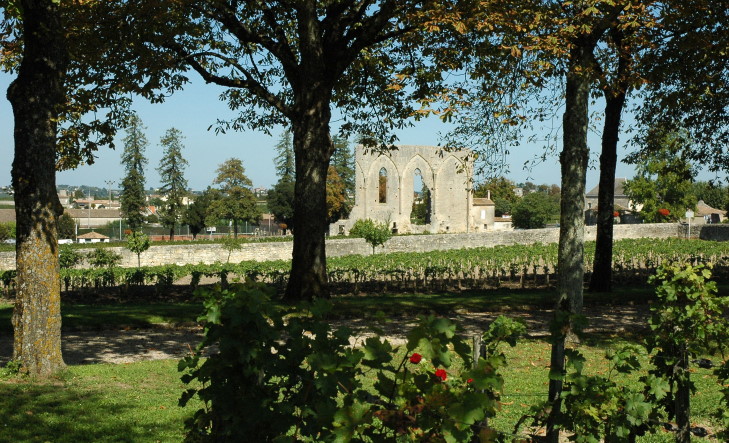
x=49 y=412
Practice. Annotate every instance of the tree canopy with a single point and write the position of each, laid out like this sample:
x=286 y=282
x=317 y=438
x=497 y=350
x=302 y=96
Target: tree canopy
x=133 y=197
x=236 y=201
x=172 y=175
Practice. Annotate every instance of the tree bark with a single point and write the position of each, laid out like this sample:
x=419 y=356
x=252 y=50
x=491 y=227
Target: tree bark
x=36 y=96
x=683 y=396
x=573 y=161
x=602 y=272
x=313 y=148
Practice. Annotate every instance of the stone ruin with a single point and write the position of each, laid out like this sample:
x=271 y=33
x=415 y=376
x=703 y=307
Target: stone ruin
x=390 y=186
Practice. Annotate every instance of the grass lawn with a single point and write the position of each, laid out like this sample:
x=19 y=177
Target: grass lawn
x=146 y=314
x=134 y=402
x=137 y=402
x=137 y=315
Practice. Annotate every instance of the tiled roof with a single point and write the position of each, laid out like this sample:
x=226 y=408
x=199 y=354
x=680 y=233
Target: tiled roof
x=92 y=235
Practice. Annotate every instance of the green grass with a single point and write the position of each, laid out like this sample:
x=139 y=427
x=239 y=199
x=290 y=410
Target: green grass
x=498 y=300
x=137 y=402
x=86 y=316
x=96 y=403
x=136 y=314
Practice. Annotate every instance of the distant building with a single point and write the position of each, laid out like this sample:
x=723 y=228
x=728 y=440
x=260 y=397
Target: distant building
x=706 y=214
x=92 y=237
x=260 y=192
x=94 y=218
x=620 y=200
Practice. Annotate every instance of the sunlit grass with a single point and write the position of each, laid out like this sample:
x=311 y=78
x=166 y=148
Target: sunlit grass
x=134 y=402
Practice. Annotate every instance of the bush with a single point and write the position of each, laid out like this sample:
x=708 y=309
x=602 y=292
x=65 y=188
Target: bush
x=298 y=380
x=534 y=210
x=138 y=242
x=66 y=226
x=68 y=257
x=374 y=233
x=7 y=231
x=100 y=258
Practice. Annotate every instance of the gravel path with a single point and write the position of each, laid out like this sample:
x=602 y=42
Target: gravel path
x=129 y=345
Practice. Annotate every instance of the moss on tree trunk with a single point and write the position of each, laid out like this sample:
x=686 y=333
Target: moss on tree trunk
x=36 y=96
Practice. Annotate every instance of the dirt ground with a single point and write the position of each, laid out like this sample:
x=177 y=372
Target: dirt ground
x=130 y=345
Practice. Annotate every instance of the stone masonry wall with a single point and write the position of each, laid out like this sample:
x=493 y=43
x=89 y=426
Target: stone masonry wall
x=210 y=253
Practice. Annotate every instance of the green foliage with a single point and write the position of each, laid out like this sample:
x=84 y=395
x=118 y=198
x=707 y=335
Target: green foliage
x=272 y=380
x=502 y=194
x=11 y=369
x=66 y=226
x=421 y=211
x=281 y=202
x=284 y=160
x=68 y=257
x=231 y=244
x=172 y=176
x=664 y=177
x=7 y=231
x=269 y=378
x=374 y=233
x=133 y=196
x=103 y=258
x=603 y=407
x=196 y=214
x=687 y=320
x=138 y=242
x=343 y=162
x=714 y=195
x=722 y=412
x=235 y=202
x=534 y=210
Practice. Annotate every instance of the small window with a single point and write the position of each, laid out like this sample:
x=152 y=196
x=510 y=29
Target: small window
x=383 y=186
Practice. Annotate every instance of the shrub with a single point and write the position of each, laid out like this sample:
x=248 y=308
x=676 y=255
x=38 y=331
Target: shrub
x=534 y=210
x=103 y=257
x=66 y=226
x=374 y=233
x=7 y=231
x=68 y=257
x=138 y=242
x=299 y=380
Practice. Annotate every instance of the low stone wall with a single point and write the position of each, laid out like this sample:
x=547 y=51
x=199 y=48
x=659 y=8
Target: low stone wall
x=711 y=232
x=210 y=253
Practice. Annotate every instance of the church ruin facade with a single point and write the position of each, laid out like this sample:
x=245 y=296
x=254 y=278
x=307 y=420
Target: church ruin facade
x=417 y=189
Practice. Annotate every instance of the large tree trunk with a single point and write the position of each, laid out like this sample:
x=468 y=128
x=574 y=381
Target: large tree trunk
x=602 y=273
x=573 y=161
x=36 y=96
x=313 y=148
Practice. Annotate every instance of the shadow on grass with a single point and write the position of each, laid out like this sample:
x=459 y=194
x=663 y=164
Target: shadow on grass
x=113 y=316
x=47 y=412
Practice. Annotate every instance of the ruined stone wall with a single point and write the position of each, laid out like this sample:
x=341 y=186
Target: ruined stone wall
x=447 y=175
x=210 y=253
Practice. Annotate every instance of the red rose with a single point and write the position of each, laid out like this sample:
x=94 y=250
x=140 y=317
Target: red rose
x=441 y=374
x=470 y=380
x=664 y=212
x=616 y=214
x=415 y=358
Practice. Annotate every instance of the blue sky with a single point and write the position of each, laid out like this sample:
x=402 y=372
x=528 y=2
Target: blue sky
x=197 y=107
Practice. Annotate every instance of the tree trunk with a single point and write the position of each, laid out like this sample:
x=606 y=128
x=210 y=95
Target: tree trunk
x=573 y=161
x=313 y=148
x=172 y=233
x=36 y=96
x=235 y=228
x=683 y=396
x=602 y=273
